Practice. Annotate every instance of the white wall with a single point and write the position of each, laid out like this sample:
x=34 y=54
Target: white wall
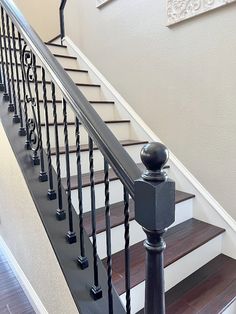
x=181 y=80
x=25 y=236
x=43 y=15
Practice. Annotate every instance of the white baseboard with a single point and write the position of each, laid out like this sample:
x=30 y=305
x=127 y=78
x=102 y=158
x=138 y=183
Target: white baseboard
x=24 y=282
x=173 y=159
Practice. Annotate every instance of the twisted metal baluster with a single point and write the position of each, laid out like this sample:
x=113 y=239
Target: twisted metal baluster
x=27 y=141
x=9 y=96
x=127 y=254
x=82 y=259
x=16 y=118
x=51 y=191
x=108 y=237
x=96 y=290
x=21 y=131
x=3 y=70
x=71 y=235
x=60 y=214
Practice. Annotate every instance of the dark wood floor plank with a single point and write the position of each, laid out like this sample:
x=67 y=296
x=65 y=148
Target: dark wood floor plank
x=180 y=240
x=117 y=213
x=12 y=297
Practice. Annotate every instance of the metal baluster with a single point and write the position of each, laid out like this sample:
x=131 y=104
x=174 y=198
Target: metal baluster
x=43 y=175
x=96 y=290
x=60 y=214
x=22 y=131
x=15 y=118
x=51 y=191
x=27 y=142
x=71 y=235
x=38 y=160
x=82 y=259
x=108 y=237
x=9 y=96
x=3 y=68
x=127 y=254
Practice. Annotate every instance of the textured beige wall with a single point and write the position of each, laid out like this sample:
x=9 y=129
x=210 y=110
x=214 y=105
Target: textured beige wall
x=181 y=80
x=24 y=234
x=43 y=15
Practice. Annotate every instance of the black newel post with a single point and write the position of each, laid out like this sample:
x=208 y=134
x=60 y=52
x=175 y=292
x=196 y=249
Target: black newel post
x=154 y=211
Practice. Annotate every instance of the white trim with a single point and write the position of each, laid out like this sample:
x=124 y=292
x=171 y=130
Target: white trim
x=24 y=282
x=197 y=185
x=100 y=3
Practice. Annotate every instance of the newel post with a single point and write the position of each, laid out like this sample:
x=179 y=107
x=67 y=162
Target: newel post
x=155 y=212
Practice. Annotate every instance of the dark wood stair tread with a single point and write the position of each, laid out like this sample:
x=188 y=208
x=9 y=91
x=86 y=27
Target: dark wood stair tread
x=55 y=45
x=85 y=147
x=211 y=289
x=98 y=178
x=57 y=55
x=117 y=213
x=73 y=123
x=77 y=84
x=180 y=240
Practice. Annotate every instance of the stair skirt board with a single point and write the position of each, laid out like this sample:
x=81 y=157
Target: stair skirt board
x=120 y=130
x=178 y=271
x=183 y=213
x=98 y=160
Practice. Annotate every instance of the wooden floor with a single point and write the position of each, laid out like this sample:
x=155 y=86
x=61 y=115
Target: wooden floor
x=12 y=297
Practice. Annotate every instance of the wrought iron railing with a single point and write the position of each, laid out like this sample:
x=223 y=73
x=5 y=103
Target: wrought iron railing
x=25 y=64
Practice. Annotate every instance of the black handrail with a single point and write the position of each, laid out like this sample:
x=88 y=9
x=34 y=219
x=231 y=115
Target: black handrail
x=114 y=153
x=62 y=22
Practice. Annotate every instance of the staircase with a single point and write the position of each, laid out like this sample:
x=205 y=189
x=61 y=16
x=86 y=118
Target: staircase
x=199 y=278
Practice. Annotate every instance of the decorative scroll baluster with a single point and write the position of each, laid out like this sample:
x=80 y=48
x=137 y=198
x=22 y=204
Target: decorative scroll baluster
x=27 y=141
x=96 y=290
x=16 y=118
x=108 y=236
x=127 y=254
x=82 y=259
x=71 y=235
x=60 y=214
x=21 y=131
x=42 y=175
x=3 y=72
x=9 y=96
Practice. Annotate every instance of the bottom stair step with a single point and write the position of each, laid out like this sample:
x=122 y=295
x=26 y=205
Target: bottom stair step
x=180 y=240
x=209 y=290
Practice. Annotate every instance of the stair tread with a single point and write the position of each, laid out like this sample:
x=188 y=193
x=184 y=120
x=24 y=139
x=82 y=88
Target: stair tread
x=98 y=178
x=180 y=240
x=57 y=55
x=60 y=123
x=211 y=289
x=77 y=84
x=117 y=213
x=55 y=45
x=85 y=147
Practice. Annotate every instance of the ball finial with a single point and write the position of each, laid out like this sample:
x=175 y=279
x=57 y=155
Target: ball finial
x=154 y=156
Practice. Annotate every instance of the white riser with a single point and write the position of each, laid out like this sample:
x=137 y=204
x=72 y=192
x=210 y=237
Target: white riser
x=105 y=111
x=120 y=130
x=91 y=93
x=183 y=212
x=77 y=77
x=178 y=271
x=68 y=63
x=116 y=195
x=133 y=151
x=58 y=50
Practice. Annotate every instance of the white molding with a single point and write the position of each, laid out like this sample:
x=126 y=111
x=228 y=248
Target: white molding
x=180 y=10
x=191 y=179
x=24 y=282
